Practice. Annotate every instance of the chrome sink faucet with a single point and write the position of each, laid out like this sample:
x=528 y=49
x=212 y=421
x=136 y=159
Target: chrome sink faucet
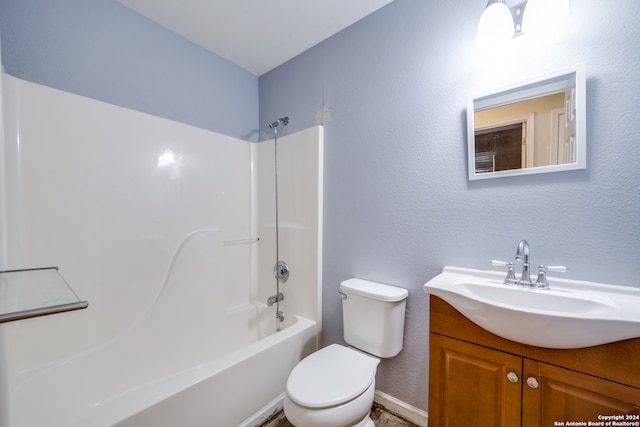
x=522 y=254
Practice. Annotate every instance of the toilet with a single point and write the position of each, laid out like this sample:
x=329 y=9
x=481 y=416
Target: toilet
x=334 y=387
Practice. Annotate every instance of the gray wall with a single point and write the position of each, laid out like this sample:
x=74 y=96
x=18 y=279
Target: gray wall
x=103 y=50
x=391 y=91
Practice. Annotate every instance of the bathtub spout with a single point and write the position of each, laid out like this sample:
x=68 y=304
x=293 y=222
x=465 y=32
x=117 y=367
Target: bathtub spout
x=279 y=320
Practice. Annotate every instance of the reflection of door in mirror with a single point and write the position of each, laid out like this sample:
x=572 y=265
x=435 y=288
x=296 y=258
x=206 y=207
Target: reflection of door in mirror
x=559 y=148
x=541 y=143
x=569 y=136
x=504 y=143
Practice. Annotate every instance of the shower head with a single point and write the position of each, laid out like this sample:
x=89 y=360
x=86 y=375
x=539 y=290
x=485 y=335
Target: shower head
x=284 y=120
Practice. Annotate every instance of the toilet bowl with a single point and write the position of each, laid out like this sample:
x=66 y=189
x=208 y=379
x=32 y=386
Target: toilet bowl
x=333 y=387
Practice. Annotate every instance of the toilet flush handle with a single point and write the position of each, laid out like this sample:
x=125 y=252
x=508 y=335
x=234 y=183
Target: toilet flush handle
x=342 y=295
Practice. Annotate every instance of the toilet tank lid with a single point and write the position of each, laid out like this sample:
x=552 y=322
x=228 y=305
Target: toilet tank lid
x=373 y=290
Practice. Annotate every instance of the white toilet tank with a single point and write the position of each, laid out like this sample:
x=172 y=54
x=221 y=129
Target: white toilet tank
x=373 y=316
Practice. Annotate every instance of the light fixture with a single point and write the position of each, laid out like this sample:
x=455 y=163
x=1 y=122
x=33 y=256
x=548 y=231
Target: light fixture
x=499 y=23
x=543 y=15
x=495 y=26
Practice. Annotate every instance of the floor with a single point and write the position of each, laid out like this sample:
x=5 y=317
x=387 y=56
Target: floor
x=380 y=417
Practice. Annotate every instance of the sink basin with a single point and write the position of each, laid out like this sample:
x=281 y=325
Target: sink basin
x=572 y=314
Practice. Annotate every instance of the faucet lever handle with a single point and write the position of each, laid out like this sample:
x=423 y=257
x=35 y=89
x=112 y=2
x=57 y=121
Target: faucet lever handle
x=511 y=273
x=541 y=282
x=556 y=268
x=497 y=263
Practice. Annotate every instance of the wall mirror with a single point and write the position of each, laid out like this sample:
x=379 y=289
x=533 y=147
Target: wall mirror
x=534 y=126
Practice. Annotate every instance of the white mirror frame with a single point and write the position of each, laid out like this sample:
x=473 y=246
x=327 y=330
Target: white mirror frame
x=524 y=90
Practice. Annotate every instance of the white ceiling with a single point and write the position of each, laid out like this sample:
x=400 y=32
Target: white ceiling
x=257 y=35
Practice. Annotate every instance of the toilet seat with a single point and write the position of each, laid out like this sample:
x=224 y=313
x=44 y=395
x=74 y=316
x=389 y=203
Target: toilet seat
x=330 y=377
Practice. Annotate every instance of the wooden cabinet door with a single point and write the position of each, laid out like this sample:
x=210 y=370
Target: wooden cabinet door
x=471 y=385
x=560 y=395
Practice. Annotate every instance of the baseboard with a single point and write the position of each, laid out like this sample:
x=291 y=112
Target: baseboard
x=404 y=410
x=266 y=412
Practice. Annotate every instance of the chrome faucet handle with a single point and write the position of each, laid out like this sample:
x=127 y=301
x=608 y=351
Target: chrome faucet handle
x=511 y=272
x=541 y=282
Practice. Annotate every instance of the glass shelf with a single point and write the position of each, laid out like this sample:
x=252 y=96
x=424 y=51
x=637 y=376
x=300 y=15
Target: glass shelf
x=35 y=292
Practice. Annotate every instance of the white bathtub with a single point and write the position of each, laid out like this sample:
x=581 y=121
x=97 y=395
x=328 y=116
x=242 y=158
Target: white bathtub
x=187 y=361
x=124 y=386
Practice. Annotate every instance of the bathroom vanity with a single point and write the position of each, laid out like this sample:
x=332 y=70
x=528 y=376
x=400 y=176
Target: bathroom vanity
x=478 y=378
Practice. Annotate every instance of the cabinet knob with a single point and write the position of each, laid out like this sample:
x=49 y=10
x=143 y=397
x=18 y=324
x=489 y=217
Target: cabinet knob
x=532 y=382
x=513 y=377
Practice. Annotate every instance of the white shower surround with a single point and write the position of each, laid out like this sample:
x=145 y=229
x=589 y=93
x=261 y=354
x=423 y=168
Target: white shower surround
x=118 y=200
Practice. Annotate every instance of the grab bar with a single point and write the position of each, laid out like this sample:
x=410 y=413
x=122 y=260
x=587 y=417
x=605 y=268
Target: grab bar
x=240 y=241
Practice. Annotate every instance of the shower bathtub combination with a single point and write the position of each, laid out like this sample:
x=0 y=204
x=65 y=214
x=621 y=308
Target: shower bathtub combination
x=171 y=233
